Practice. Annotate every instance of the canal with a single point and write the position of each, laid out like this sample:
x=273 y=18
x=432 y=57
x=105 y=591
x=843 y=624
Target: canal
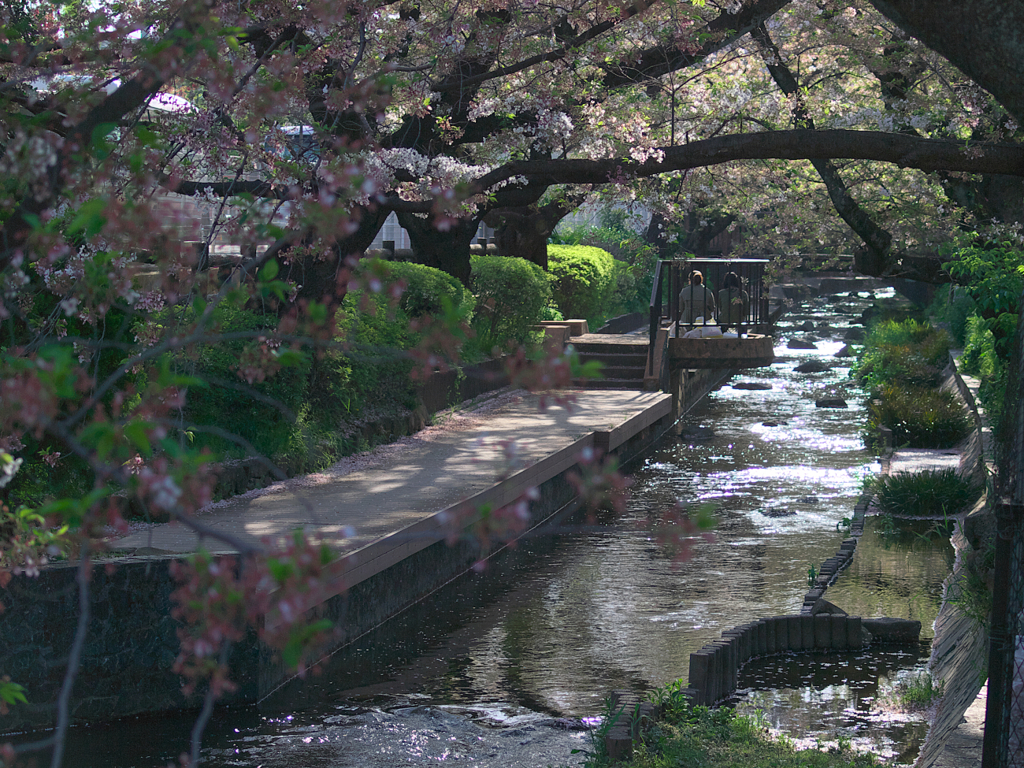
x=509 y=666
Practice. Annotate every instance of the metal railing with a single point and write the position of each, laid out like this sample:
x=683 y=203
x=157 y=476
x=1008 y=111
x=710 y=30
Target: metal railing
x=671 y=276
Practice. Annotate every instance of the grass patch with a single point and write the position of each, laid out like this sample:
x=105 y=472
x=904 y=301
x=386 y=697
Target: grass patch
x=915 y=693
x=698 y=736
x=908 y=353
x=932 y=492
x=918 y=418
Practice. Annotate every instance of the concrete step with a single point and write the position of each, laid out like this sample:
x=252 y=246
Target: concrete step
x=623 y=371
x=609 y=348
x=615 y=358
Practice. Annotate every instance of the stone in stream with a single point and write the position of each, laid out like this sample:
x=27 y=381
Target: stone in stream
x=692 y=432
x=896 y=631
x=777 y=512
x=758 y=385
x=813 y=366
x=855 y=334
x=806 y=325
x=800 y=344
x=830 y=402
x=774 y=423
x=845 y=351
x=807 y=500
x=824 y=606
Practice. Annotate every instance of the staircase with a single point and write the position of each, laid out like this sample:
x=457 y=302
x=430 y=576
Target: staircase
x=623 y=359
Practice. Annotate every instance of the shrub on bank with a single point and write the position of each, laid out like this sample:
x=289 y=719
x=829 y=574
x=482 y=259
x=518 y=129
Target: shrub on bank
x=426 y=289
x=918 y=417
x=511 y=294
x=931 y=492
x=700 y=736
x=227 y=405
x=903 y=352
x=583 y=280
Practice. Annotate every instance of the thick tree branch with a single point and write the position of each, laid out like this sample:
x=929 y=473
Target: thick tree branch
x=983 y=38
x=898 y=149
x=877 y=239
x=667 y=57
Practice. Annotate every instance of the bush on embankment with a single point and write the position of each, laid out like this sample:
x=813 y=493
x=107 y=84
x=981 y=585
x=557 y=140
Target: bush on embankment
x=931 y=492
x=982 y=312
x=635 y=277
x=511 y=294
x=688 y=737
x=584 y=281
x=904 y=352
x=306 y=416
x=901 y=366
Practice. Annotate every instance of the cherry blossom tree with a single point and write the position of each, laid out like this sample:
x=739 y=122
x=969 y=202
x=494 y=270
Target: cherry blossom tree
x=143 y=143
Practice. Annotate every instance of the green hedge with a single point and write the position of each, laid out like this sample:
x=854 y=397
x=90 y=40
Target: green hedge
x=426 y=288
x=583 y=280
x=261 y=412
x=511 y=294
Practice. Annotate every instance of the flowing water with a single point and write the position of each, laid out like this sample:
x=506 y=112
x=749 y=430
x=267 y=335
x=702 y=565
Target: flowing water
x=506 y=667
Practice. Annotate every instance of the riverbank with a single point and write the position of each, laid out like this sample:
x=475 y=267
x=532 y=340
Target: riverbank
x=388 y=515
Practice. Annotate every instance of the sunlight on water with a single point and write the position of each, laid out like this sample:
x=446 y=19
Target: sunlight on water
x=506 y=663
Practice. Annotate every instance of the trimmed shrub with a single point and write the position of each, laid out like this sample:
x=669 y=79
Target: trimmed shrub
x=377 y=333
x=918 y=418
x=930 y=492
x=426 y=288
x=583 y=280
x=511 y=294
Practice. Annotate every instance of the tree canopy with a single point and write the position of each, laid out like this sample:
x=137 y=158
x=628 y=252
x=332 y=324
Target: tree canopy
x=143 y=142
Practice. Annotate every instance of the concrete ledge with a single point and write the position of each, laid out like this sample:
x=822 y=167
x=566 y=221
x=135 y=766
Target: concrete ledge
x=714 y=669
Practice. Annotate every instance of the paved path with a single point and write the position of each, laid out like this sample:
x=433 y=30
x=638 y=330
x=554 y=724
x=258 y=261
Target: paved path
x=388 y=493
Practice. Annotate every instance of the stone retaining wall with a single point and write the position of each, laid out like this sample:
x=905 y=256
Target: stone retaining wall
x=132 y=641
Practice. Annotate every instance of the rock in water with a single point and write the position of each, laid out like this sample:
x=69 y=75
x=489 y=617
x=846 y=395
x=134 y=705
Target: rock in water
x=777 y=512
x=824 y=606
x=813 y=366
x=889 y=630
x=800 y=344
x=845 y=351
x=830 y=402
x=855 y=334
x=696 y=433
x=758 y=385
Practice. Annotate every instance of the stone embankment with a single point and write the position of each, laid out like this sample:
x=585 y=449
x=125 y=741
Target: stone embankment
x=390 y=519
x=958 y=649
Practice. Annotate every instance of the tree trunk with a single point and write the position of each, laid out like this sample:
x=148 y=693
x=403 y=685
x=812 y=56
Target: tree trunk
x=317 y=274
x=524 y=231
x=445 y=250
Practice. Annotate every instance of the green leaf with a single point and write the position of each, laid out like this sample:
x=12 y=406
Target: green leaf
x=138 y=433
x=290 y=358
x=12 y=693
x=269 y=271
x=89 y=218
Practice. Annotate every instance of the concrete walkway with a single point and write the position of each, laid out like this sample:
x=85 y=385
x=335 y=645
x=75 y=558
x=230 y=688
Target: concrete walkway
x=394 y=501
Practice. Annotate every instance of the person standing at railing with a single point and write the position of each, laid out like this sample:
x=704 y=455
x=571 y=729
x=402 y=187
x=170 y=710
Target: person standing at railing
x=696 y=301
x=733 y=302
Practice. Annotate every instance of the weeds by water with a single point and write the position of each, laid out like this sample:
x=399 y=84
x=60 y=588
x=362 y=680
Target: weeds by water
x=932 y=492
x=692 y=737
x=969 y=591
x=915 y=693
